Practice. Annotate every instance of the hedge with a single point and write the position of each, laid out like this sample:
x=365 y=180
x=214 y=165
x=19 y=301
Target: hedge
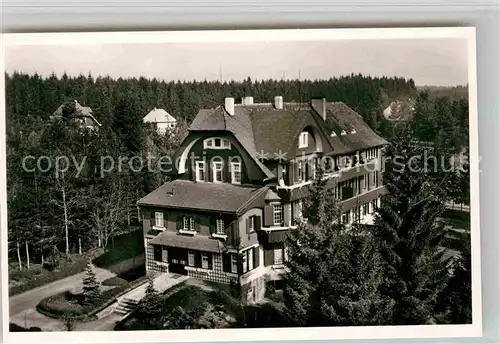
x=65 y=270
x=52 y=309
x=115 y=281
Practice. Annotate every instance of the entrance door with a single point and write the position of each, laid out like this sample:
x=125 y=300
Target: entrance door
x=177 y=268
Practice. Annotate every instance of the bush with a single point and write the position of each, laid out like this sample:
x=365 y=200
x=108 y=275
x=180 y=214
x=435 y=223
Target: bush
x=115 y=281
x=16 y=328
x=62 y=305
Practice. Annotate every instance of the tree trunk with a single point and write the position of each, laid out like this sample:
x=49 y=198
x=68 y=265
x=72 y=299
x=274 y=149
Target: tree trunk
x=65 y=221
x=99 y=238
x=27 y=254
x=80 y=246
x=43 y=259
x=128 y=215
x=19 y=256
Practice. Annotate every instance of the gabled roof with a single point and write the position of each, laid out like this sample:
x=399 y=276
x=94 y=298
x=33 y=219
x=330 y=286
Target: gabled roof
x=158 y=116
x=184 y=194
x=262 y=128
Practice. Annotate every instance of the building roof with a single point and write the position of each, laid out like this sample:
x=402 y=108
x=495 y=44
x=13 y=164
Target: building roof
x=192 y=242
x=80 y=112
x=158 y=116
x=184 y=194
x=262 y=128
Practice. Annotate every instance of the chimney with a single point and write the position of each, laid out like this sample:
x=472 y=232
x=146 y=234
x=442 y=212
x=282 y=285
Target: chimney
x=319 y=105
x=278 y=102
x=247 y=100
x=229 y=105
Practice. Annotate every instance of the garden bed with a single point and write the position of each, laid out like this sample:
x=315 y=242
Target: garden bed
x=66 y=304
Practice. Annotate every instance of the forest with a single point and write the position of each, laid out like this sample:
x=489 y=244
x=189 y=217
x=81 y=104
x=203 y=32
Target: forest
x=52 y=215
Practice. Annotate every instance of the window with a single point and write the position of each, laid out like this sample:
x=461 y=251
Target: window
x=366 y=208
x=217 y=166
x=204 y=260
x=235 y=171
x=220 y=226
x=357 y=214
x=299 y=170
x=188 y=223
x=250 y=259
x=278 y=255
x=191 y=258
x=234 y=263
x=200 y=171
x=374 y=205
x=345 y=218
x=277 y=214
x=217 y=143
x=251 y=224
x=244 y=262
x=247 y=260
x=159 y=219
x=303 y=138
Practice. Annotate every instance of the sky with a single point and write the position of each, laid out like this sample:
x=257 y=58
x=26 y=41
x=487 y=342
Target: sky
x=437 y=62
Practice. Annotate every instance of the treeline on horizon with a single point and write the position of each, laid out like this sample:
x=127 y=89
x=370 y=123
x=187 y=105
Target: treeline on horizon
x=37 y=96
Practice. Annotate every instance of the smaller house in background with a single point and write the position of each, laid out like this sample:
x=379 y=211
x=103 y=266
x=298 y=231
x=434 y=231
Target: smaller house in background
x=161 y=120
x=399 y=110
x=82 y=115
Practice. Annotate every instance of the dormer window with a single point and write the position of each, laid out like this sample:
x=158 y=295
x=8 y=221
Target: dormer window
x=216 y=143
x=353 y=131
x=343 y=132
x=217 y=167
x=333 y=134
x=200 y=171
x=303 y=139
x=235 y=170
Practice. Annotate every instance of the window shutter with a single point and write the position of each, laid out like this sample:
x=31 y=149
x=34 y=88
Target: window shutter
x=240 y=264
x=197 y=259
x=226 y=262
x=153 y=218
x=248 y=223
x=226 y=172
x=208 y=171
x=193 y=170
x=179 y=222
x=268 y=215
x=291 y=173
x=210 y=260
x=258 y=223
x=212 y=225
x=197 y=221
x=256 y=258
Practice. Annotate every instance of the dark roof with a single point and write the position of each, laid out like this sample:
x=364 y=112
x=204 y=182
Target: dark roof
x=262 y=128
x=192 y=242
x=341 y=117
x=84 y=112
x=183 y=194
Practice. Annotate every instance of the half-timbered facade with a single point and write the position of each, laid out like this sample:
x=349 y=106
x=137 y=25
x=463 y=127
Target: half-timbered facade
x=239 y=182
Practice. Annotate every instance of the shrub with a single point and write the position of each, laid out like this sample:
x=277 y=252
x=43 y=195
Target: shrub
x=115 y=281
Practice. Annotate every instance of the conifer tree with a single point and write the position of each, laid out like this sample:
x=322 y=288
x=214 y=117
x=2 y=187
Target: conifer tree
x=409 y=231
x=334 y=272
x=91 y=286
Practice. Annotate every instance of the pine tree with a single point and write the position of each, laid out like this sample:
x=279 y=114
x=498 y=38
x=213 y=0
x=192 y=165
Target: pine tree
x=150 y=308
x=409 y=231
x=456 y=298
x=91 y=286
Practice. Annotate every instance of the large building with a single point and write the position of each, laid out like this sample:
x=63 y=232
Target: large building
x=243 y=171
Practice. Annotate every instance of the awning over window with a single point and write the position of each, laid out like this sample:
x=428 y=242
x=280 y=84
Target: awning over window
x=190 y=242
